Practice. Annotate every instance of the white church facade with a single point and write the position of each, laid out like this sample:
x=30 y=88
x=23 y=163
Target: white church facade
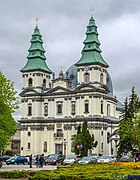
x=53 y=108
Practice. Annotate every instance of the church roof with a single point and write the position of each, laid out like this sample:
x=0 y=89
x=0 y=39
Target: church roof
x=91 y=53
x=36 y=57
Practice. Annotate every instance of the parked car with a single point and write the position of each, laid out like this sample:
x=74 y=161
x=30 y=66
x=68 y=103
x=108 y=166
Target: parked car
x=17 y=160
x=87 y=160
x=0 y=163
x=126 y=158
x=4 y=158
x=107 y=158
x=95 y=156
x=54 y=159
x=137 y=157
x=70 y=159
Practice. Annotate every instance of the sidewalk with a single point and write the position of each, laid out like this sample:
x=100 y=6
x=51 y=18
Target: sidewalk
x=25 y=167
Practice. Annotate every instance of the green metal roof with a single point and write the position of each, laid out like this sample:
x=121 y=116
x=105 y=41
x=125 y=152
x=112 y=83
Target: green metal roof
x=36 y=57
x=91 y=53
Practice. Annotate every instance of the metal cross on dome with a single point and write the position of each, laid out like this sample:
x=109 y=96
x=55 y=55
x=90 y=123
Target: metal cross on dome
x=92 y=11
x=36 y=19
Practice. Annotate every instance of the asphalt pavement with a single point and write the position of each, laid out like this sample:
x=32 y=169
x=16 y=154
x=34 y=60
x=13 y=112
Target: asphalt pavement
x=6 y=167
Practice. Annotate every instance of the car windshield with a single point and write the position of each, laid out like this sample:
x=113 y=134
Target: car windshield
x=51 y=156
x=105 y=157
x=93 y=154
x=15 y=157
x=85 y=158
x=70 y=157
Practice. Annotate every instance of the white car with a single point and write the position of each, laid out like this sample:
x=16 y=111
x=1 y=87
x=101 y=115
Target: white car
x=107 y=158
x=70 y=159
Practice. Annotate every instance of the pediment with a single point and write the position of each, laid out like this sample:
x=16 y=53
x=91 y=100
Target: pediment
x=58 y=90
x=86 y=88
x=27 y=92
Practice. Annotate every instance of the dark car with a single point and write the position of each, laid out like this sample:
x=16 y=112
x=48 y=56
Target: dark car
x=137 y=156
x=17 y=160
x=0 y=163
x=54 y=159
x=87 y=160
x=4 y=158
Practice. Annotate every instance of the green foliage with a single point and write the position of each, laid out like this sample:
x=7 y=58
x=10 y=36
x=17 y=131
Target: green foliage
x=8 y=153
x=96 y=171
x=8 y=104
x=84 y=138
x=127 y=125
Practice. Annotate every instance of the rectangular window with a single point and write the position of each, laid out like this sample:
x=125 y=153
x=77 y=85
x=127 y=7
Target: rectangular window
x=29 y=110
x=102 y=108
x=86 y=107
x=102 y=146
x=59 y=133
x=29 y=146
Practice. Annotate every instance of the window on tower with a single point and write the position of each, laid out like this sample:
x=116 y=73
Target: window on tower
x=102 y=107
x=30 y=82
x=44 y=83
x=101 y=78
x=108 y=109
x=86 y=77
x=29 y=110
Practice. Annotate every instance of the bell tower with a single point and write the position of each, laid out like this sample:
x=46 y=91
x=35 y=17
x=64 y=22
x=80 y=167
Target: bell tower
x=36 y=73
x=91 y=67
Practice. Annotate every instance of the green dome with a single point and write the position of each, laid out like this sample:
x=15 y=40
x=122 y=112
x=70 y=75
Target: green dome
x=36 y=57
x=91 y=53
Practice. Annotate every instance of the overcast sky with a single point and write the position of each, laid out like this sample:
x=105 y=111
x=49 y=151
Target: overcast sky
x=63 y=24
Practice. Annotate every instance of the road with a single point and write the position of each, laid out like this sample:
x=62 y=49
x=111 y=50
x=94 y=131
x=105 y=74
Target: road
x=6 y=167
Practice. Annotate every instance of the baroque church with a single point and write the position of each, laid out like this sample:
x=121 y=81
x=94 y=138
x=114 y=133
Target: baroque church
x=53 y=107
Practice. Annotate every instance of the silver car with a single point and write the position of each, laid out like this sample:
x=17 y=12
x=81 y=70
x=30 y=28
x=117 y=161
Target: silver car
x=107 y=158
x=70 y=159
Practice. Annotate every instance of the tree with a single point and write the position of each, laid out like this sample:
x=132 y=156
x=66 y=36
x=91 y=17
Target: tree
x=136 y=131
x=84 y=139
x=127 y=123
x=8 y=104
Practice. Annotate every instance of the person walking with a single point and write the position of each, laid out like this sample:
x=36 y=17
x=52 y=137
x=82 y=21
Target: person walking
x=41 y=160
x=30 y=161
x=37 y=161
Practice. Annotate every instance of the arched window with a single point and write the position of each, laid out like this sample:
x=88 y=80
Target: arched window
x=108 y=137
x=102 y=107
x=108 y=109
x=73 y=109
x=46 y=109
x=59 y=108
x=30 y=82
x=45 y=146
x=86 y=107
x=44 y=82
x=101 y=78
x=86 y=78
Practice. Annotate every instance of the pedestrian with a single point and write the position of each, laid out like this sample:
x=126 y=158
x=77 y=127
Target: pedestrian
x=30 y=161
x=41 y=160
x=37 y=161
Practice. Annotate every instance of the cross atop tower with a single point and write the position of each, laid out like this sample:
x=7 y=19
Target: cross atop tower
x=36 y=19
x=92 y=11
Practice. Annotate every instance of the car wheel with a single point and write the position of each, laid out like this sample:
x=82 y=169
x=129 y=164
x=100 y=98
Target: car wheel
x=17 y=164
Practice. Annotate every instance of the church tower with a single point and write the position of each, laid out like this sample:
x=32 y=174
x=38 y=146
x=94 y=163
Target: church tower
x=91 y=67
x=36 y=73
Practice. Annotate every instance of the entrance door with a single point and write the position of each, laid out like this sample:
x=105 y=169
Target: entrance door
x=58 y=149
